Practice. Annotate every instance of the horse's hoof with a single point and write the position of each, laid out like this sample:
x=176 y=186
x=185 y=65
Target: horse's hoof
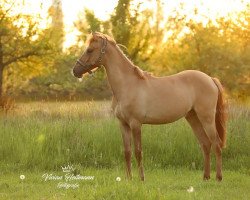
x=219 y=178
x=206 y=178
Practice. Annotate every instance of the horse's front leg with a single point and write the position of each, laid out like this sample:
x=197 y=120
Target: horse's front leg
x=136 y=130
x=126 y=136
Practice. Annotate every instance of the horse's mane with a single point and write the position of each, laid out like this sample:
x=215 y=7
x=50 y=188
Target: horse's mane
x=138 y=71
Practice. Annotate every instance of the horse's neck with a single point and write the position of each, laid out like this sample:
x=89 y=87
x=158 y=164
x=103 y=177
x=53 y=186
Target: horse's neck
x=120 y=72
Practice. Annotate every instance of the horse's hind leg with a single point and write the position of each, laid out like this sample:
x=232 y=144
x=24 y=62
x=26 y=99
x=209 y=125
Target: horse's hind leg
x=207 y=120
x=218 y=162
x=204 y=141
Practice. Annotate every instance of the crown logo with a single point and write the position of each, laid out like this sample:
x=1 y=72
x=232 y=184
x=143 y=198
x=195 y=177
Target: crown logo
x=68 y=168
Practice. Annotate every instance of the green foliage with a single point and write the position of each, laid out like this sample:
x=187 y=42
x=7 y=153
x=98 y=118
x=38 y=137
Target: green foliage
x=219 y=48
x=131 y=28
x=94 y=23
x=86 y=24
x=60 y=84
x=121 y=23
x=57 y=26
x=22 y=44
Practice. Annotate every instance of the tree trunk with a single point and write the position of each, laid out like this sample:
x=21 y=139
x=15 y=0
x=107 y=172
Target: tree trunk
x=1 y=81
x=1 y=67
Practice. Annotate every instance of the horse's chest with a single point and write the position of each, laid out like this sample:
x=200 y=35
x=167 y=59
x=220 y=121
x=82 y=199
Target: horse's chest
x=119 y=111
x=124 y=111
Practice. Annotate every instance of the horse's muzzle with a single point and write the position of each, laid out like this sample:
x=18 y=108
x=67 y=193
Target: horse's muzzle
x=78 y=72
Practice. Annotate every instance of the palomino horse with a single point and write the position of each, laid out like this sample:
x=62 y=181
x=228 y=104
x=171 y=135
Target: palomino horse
x=140 y=98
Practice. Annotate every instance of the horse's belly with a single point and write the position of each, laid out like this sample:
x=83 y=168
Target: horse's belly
x=162 y=119
x=162 y=114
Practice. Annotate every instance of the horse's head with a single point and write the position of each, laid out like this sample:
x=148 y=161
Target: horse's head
x=93 y=55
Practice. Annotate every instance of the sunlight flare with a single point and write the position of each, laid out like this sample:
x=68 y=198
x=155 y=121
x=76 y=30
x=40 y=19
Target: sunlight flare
x=72 y=9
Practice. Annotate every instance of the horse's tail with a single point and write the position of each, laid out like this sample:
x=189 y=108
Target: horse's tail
x=221 y=113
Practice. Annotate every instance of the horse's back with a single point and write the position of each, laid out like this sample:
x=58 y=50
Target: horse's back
x=186 y=83
x=193 y=82
x=159 y=100
x=169 y=98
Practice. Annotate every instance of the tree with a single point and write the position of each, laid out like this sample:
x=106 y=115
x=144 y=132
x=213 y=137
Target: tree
x=131 y=27
x=20 y=41
x=219 y=48
x=57 y=25
x=87 y=23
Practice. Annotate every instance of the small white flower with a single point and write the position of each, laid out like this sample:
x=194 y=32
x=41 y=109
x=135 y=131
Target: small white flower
x=118 y=178
x=80 y=79
x=22 y=177
x=190 y=189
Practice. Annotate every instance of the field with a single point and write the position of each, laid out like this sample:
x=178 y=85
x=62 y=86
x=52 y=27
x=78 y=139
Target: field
x=39 y=138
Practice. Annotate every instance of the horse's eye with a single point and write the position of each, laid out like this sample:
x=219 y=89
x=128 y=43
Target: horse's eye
x=89 y=50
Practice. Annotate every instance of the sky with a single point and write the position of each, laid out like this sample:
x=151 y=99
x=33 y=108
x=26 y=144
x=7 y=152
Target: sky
x=103 y=9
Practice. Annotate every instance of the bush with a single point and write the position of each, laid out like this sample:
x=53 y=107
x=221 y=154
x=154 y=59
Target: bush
x=6 y=104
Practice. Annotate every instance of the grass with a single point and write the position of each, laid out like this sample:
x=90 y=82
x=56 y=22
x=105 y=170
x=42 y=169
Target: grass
x=160 y=184
x=41 y=137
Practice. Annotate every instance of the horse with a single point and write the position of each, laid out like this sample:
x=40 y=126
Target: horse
x=142 y=98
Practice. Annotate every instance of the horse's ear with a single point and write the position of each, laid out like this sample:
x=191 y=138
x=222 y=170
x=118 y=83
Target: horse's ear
x=94 y=36
x=92 y=32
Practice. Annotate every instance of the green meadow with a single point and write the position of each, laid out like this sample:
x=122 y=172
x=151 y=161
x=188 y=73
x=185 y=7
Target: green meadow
x=39 y=138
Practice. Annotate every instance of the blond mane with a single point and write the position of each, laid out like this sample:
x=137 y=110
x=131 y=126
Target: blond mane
x=138 y=71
